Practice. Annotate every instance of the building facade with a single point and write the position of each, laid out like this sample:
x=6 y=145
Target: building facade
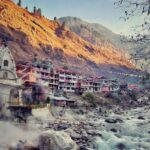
x=54 y=80
x=67 y=79
x=9 y=82
x=26 y=73
x=43 y=70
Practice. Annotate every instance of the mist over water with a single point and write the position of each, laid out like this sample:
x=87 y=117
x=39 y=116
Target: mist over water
x=131 y=133
x=11 y=133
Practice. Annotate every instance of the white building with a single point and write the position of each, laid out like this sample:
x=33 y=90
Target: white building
x=67 y=80
x=9 y=83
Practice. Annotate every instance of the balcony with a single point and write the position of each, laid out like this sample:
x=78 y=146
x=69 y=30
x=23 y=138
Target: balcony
x=11 y=82
x=45 y=77
x=41 y=70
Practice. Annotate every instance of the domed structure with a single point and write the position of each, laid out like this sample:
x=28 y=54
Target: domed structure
x=8 y=76
x=7 y=65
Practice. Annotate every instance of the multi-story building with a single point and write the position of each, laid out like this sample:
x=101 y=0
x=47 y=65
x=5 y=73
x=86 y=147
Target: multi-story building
x=43 y=70
x=90 y=84
x=87 y=83
x=38 y=72
x=53 y=80
x=96 y=84
x=26 y=73
x=67 y=79
x=109 y=85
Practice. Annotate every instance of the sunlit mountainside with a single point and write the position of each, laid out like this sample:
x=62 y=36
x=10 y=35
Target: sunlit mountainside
x=99 y=35
x=28 y=34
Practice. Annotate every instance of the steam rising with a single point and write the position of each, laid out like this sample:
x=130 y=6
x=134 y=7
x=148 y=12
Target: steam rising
x=10 y=133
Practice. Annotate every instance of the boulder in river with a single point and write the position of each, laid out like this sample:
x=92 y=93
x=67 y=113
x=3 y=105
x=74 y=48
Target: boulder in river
x=121 y=146
x=113 y=130
x=63 y=126
x=141 y=118
x=52 y=140
x=113 y=120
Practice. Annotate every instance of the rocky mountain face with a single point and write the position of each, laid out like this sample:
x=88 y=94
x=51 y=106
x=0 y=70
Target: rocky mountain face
x=28 y=34
x=102 y=36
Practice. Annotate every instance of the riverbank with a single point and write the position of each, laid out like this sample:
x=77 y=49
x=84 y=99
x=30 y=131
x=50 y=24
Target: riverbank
x=93 y=129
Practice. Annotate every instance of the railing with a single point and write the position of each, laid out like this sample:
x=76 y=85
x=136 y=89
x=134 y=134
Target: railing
x=44 y=70
x=10 y=82
x=44 y=77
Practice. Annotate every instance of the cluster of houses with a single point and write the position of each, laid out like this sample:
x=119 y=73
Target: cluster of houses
x=23 y=76
x=43 y=73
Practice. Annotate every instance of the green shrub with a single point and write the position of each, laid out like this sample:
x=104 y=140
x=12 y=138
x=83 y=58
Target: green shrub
x=89 y=97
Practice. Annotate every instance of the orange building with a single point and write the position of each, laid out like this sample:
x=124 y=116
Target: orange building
x=26 y=73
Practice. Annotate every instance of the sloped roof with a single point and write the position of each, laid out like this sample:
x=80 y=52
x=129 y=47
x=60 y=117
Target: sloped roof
x=2 y=51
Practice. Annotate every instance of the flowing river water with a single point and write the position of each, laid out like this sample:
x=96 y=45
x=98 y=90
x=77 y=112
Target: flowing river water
x=92 y=129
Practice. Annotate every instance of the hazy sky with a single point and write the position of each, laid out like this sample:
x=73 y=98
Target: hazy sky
x=96 y=11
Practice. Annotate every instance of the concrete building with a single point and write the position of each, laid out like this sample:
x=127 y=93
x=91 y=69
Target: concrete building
x=67 y=79
x=35 y=72
x=26 y=73
x=53 y=80
x=96 y=84
x=39 y=72
x=43 y=69
x=90 y=84
x=109 y=85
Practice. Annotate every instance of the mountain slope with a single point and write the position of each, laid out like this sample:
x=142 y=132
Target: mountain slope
x=28 y=34
x=101 y=36
x=96 y=33
x=92 y=32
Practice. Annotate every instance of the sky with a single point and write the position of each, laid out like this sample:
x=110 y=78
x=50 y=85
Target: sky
x=95 y=11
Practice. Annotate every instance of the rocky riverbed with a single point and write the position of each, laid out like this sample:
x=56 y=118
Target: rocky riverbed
x=93 y=129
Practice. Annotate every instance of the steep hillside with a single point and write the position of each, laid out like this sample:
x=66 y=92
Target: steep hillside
x=28 y=34
x=93 y=32
x=102 y=36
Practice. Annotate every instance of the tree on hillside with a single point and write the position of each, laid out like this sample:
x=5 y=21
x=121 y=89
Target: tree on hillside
x=39 y=12
x=55 y=18
x=138 y=8
x=19 y=3
x=26 y=8
x=34 y=10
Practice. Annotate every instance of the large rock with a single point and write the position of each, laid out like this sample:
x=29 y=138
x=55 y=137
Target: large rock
x=63 y=126
x=52 y=140
x=113 y=120
x=48 y=140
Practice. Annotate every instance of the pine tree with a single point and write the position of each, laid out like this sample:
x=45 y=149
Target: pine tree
x=55 y=18
x=39 y=12
x=34 y=10
x=19 y=3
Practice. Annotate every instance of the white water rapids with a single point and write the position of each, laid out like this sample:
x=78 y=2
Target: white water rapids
x=131 y=134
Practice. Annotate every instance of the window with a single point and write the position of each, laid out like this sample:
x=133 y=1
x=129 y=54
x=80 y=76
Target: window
x=5 y=75
x=6 y=63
